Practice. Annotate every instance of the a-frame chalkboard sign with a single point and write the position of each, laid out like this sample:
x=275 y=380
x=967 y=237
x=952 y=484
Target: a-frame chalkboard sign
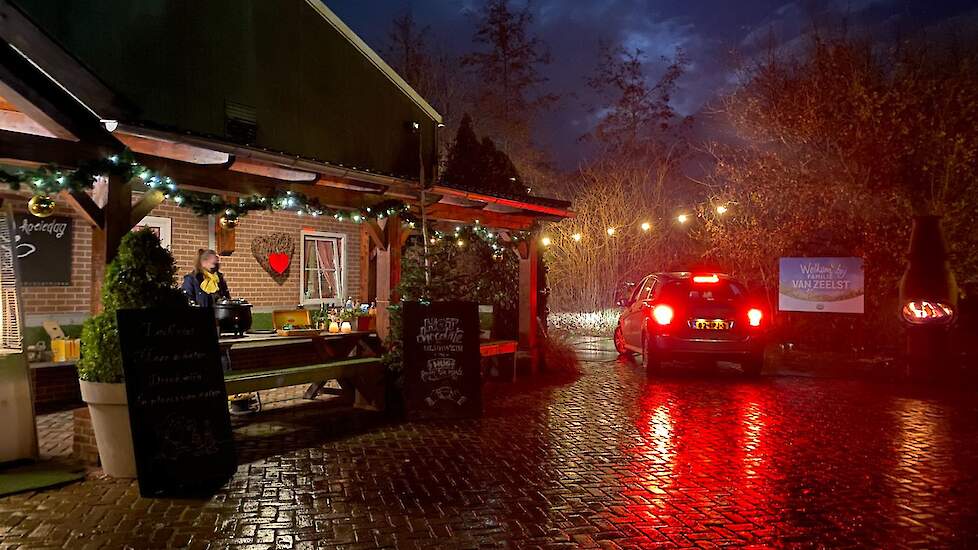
x=442 y=371
x=178 y=409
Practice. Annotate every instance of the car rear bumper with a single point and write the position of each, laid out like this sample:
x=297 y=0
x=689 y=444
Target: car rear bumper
x=677 y=347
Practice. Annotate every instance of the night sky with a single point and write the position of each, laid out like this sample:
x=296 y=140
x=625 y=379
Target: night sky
x=711 y=32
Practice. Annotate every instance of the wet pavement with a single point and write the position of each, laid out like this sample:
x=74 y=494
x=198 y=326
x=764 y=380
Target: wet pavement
x=610 y=460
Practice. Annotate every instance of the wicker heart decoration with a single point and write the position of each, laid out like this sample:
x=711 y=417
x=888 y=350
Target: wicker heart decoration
x=274 y=253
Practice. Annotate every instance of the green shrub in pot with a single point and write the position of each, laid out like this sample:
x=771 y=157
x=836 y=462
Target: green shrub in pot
x=141 y=275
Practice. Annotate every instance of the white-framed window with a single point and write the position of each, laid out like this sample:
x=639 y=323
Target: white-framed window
x=322 y=279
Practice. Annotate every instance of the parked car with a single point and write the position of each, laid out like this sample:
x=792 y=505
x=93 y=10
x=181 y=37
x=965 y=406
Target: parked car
x=682 y=315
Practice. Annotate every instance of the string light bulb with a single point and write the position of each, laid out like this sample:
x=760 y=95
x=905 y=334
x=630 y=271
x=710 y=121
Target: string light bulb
x=577 y=237
x=721 y=210
x=682 y=218
x=646 y=226
x=611 y=231
x=545 y=241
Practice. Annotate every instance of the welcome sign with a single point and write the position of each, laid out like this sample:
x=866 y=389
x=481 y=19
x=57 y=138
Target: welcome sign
x=831 y=285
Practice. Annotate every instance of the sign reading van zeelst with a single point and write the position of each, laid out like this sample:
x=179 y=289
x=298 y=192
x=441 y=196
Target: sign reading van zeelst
x=43 y=248
x=831 y=285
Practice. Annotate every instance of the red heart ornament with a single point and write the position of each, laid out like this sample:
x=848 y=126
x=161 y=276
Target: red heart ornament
x=279 y=262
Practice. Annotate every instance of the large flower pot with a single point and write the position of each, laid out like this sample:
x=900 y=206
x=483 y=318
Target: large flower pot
x=110 y=419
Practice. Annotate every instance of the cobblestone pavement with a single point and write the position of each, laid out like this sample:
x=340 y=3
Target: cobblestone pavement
x=610 y=460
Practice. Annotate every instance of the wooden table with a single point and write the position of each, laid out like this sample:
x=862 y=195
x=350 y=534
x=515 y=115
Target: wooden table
x=343 y=357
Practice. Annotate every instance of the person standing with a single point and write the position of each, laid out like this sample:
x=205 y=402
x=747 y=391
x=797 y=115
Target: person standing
x=206 y=284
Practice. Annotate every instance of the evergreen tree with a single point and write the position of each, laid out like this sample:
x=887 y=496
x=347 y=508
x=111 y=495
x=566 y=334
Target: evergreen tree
x=480 y=166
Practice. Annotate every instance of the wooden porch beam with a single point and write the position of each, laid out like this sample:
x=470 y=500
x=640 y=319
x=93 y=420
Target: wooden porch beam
x=452 y=213
x=150 y=200
x=377 y=235
x=83 y=204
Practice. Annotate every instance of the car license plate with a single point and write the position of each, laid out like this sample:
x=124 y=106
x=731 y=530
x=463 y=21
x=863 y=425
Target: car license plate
x=711 y=324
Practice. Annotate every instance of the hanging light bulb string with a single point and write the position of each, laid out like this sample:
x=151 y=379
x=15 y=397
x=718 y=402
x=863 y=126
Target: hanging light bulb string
x=718 y=208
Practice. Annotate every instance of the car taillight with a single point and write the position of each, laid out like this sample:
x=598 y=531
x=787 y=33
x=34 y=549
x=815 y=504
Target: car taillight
x=662 y=314
x=754 y=317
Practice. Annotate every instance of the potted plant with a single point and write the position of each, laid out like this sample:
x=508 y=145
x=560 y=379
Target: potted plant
x=141 y=275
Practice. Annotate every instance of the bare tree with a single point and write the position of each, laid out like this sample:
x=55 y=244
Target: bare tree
x=507 y=100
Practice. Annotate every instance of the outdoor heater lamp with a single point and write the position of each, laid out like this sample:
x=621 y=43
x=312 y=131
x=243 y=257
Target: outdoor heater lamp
x=18 y=434
x=928 y=290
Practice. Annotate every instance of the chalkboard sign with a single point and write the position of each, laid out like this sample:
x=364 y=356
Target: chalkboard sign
x=441 y=359
x=44 y=250
x=178 y=408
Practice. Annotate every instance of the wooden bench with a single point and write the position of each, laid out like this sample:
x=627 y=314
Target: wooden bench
x=492 y=353
x=365 y=375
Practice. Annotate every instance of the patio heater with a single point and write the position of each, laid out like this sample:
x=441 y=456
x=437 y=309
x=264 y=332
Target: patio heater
x=18 y=433
x=928 y=297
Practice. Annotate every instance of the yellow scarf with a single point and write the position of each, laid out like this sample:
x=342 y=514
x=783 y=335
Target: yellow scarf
x=210 y=282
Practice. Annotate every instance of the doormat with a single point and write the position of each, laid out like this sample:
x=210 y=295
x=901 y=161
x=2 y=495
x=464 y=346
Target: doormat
x=40 y=475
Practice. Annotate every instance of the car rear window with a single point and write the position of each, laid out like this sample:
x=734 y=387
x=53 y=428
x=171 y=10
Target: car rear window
x=721 y=291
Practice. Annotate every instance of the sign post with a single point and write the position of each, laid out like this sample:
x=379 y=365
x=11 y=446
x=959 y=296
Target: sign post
x=443 y=378
x=828 y=285
x=178 y=407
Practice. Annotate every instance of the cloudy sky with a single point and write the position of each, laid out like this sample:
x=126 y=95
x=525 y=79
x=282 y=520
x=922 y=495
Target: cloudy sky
x=711 y=32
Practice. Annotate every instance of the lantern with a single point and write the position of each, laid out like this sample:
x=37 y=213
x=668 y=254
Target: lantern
x=230 y=219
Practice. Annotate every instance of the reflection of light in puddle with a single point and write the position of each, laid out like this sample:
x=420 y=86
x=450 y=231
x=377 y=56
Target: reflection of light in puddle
x=661 y=430
x=922 y=453
x=753 y=427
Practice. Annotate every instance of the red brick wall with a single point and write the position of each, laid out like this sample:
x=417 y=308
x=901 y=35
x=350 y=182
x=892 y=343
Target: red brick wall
x=55 y=388
x=245 y=277
x=189 y=232
x=83 y=447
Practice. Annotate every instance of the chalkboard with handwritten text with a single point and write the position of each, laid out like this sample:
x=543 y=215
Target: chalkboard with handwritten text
x=43 y=248
x=178 y=408
x=441 y=360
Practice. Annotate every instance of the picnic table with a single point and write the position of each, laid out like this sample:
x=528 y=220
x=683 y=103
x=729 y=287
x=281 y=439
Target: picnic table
x=352 y=359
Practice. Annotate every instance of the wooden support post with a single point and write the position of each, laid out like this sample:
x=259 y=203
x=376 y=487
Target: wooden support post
x=393 y=230
x=364 y=265
x=529 y=250
x=116 y=221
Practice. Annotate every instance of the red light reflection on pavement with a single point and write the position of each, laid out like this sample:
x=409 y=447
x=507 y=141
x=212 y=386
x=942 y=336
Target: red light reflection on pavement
x=697 y=468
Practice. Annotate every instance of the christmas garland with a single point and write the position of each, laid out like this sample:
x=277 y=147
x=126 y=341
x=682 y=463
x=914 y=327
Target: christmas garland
x=50 y=180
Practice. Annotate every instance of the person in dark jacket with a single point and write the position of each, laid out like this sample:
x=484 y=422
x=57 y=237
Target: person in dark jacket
x=206 y=284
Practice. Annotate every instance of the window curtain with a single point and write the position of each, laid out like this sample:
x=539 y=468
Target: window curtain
x=324 y=254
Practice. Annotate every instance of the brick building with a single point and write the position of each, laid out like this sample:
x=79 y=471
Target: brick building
x=232 y=99
x=71 y=304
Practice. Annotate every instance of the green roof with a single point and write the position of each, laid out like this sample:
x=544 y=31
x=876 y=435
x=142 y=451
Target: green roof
x=311 y=86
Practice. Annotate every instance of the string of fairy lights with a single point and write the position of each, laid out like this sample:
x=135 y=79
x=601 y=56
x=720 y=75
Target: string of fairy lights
x=644 y=227
x=46 y=181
